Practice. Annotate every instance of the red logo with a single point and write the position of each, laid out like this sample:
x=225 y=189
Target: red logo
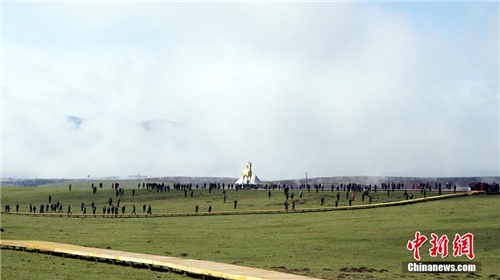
x=439 y=246
x=416 y=244
x=463 y=245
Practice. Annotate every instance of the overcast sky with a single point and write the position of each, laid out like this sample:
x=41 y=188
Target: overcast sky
x=198 y=89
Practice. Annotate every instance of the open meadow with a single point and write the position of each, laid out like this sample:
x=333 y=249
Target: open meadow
x=368 y=243
x=174 y=200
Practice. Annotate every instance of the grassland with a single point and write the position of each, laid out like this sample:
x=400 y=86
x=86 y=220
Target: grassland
x=23 y=265
x=175 y=202
x=328 y=245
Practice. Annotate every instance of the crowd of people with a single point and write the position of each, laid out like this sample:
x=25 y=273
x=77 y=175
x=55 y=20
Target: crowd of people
x=485 y=187
x=290 y=197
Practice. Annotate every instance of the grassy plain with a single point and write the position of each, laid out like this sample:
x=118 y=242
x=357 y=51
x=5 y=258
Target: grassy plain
x=369 y=243
x=175 y=202
x=23 y=265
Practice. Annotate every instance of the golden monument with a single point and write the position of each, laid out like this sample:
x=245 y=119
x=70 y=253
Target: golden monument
x=248 y=179
x=247 y=173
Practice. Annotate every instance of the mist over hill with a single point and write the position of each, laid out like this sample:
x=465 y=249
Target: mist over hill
x=460 y=182
x=34 y=182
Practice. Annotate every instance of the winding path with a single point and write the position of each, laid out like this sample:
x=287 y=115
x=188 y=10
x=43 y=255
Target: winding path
x=187 y=266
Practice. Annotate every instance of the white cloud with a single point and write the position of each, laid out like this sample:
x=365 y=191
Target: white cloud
x=328 y=88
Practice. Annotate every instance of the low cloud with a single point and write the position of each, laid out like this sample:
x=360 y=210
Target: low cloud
x=327 y=88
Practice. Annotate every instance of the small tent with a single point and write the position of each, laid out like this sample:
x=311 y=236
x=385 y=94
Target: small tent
x=253 y=181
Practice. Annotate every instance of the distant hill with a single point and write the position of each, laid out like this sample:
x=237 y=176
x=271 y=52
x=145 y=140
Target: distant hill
x=159 y=124
x=461 y=182
x=194 y=180
x=34 y=182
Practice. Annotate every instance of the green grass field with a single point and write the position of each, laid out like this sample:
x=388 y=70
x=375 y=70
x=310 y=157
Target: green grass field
x=24 y=265
x=175 y=202
x=328 y=245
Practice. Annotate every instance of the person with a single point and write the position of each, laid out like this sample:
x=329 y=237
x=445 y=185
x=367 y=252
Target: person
x=291 y=196
x=370 y=200
x=350 y=201
x=196 y=208
x=69 y=187
x=17 y=207
x=133 y=207
x=123 y=210
x=336 y=203
x=192 y=193
x=322 y=201
x=41 y=209
x=338 y=196
x=286 y=205
x=454 y=188
x=300 y=194
x=235 y=203
x=31 y=207
x=269 y=194
x=69 y=210
x=84 y=210
x=210 y=209
x=224 y=198
x=104 y=210
x=93 y=210
x=50 y=199
x=133 y=192
x=144 y=208
x=149 y=210
x=293 y=205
